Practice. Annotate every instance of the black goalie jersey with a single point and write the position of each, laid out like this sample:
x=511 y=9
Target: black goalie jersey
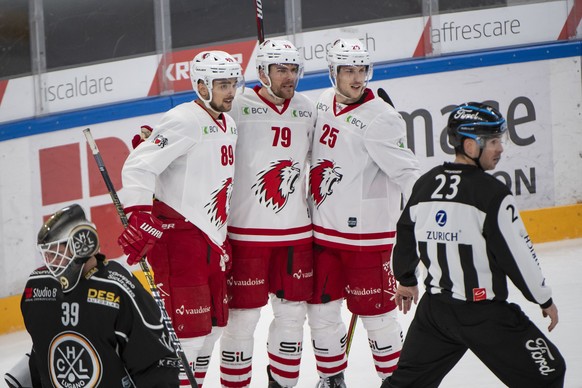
x=107 y=332
x=470 y=237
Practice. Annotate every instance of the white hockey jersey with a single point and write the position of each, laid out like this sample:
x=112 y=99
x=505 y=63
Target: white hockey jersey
x=360 y=166
x=188 y=163
x=269 y=200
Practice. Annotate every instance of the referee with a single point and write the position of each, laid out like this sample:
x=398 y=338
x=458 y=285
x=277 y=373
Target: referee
x=463 y=224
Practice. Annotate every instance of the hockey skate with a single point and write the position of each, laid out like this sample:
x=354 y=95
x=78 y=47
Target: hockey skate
x=335 y=381
x=272 y=382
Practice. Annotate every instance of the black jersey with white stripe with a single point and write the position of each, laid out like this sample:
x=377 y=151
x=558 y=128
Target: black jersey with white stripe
x=464 y=225
x=106 y=332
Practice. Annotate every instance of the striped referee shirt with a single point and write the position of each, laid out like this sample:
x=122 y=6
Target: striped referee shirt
x=465 y=227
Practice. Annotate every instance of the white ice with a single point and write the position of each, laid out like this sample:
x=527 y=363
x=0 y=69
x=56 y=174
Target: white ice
x=561 y=263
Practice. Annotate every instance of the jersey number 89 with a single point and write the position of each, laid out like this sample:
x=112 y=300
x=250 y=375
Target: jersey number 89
x=226 y=155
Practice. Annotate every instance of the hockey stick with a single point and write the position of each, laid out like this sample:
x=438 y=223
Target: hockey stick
x=384 y=96
x=352 y=328
x=351 y=331
x=142 y=263
x=260 y=28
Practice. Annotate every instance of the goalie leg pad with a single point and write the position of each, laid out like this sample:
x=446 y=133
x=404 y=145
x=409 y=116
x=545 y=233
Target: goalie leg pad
x=385 y=340
x=370 y=283
x=329 y=280
x=236 y=347
x=285 y=340
x=328 y=336
x=291 y=272
x=248 y=280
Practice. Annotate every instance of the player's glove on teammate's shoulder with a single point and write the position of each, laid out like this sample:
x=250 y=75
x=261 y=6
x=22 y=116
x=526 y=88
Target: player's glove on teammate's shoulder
x=142 y=232
x=145 y=132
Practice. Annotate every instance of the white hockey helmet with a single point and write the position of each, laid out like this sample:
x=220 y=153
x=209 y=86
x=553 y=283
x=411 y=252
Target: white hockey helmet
x=347 y=52
x=66 y=241
x=208 y=66
x=278 y=51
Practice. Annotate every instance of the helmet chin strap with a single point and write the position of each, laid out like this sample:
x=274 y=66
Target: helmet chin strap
x=337 y=91
x=270 y=91
x=268 y=87
x=341 y=94
x=477 y=160
x=208 y=102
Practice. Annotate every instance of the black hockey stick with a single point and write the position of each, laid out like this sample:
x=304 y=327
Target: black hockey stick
x=260 y=28
x=384 y=96
x=142 y=263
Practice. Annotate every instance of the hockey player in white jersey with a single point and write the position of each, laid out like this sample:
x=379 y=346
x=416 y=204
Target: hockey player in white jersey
x=187 y=165
x=269 y=226
x=360 y=168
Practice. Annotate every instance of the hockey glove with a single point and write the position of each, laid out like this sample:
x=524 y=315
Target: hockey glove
x=142 y=231
x=145 y=132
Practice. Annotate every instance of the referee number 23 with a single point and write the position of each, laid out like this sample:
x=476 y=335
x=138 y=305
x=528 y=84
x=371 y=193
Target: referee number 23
x=447 y=187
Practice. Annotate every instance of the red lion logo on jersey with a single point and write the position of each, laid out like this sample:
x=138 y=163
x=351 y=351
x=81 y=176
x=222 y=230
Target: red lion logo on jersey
x=219 y=206
x=275 y=183
x=322 y=177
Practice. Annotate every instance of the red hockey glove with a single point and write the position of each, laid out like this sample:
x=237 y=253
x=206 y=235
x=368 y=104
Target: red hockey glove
x=145 y=132
x=140 y=235
x=137 y=140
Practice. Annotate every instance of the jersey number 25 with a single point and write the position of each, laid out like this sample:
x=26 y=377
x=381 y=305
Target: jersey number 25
x=329 y=136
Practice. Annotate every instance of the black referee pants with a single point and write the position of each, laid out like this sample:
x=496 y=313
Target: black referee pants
x=498 y=333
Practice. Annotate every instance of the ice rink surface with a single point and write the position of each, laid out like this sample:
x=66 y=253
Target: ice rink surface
x=561 y=263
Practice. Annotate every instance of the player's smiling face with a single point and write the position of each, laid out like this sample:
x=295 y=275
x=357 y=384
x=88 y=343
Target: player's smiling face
x=283 y=79
x=223 y=91
x=351 y=82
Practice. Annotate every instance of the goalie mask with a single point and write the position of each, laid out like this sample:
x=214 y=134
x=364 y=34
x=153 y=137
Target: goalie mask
x=277 y=52
x=66 y=241
x=208 y=66
x=347 y=52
